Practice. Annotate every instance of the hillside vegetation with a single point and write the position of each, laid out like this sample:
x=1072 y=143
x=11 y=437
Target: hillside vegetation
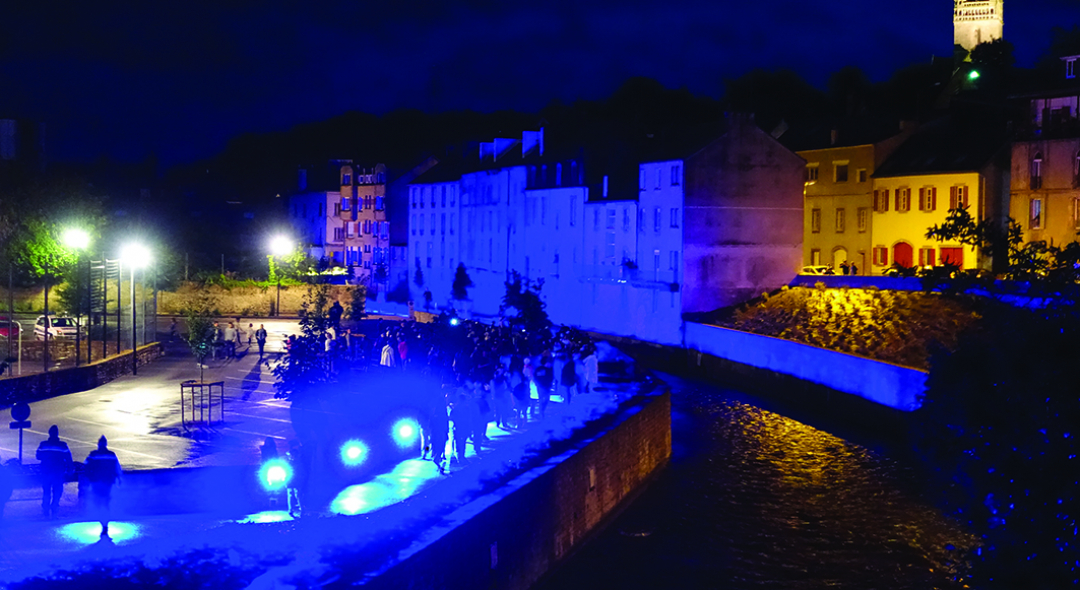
x=893 y=326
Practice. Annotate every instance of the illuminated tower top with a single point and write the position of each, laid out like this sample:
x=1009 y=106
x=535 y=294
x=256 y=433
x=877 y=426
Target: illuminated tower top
x=977 y=21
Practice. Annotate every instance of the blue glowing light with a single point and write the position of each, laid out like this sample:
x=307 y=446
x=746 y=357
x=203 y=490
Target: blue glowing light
x=353 y=453
x=266 y=516
x=454 y=321
x=406 y=432
x=90 y=532
x=275 y=475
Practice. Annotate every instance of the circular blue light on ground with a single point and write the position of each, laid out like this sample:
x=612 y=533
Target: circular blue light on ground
x=406 y=432
x=353 y=453
x=275 y=475
x=88 y=533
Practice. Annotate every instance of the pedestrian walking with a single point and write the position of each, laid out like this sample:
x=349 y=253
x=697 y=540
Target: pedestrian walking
x=844 y=268
x=335 y=314
x=102 y=472
x=386 y=359
x=228 y=336
x=260 y=337
x=544 y=375
x=461 y=416
x=173 y=328
x=250 y=333
x=854 y=269
x=591 y=366
x=403 y=351
x=56 y=464
x=569 y=377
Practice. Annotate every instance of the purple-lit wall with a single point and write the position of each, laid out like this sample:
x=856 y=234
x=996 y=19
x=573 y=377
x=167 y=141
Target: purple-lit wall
x=743 y=223
x=887 y=384
x=513 y=536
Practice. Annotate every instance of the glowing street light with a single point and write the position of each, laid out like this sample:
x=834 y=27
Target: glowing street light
x=974 y=75
x=280 y=246
x=353 y=453
x=405 y=432
x=135 y=256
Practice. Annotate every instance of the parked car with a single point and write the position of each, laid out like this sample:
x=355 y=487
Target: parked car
x=59 y=327
x=820 y=269
x=4 y=327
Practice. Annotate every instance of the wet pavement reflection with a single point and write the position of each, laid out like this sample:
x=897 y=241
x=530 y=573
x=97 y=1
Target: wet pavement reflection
x=753 y=499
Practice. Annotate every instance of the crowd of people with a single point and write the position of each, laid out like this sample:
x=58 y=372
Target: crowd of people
x=489 y=374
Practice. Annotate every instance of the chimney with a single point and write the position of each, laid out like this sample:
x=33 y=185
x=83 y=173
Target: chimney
x=605 y=185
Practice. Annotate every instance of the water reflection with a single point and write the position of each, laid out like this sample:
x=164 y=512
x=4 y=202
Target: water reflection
x=754 y=499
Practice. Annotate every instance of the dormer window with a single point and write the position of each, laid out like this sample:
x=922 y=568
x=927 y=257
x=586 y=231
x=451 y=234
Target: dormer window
x=1070 y=66
x=346 y=179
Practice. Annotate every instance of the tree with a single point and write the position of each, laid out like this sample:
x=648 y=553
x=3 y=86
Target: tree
x=358 y=303
x=418 y=276
x=304 y=365
x=201 y=335
x=459 y=290
x=525 y=308
x=986 y=235
x=998 y=430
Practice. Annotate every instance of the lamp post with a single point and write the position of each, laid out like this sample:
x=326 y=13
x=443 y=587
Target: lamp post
x=77 y=239
x=135 y=256
x=279 y=246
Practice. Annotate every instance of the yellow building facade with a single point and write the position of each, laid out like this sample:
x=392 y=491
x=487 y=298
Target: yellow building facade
x=1045 y=191
x=905 y=207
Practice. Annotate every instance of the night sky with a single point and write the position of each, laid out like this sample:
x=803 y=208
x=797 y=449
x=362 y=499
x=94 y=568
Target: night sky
x=181 y=79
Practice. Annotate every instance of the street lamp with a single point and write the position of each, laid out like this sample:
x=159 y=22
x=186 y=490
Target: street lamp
x=280 y=246
x=135 y=256
x=77 y=239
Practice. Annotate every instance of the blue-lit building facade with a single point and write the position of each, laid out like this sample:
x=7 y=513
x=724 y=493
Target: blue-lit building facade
x=616 y=248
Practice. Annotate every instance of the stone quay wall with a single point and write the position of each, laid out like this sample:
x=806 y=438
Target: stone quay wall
x=39 y=386
x=513 y=537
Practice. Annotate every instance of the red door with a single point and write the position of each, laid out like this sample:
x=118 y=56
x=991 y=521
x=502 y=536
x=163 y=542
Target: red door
x=902 y=254
x=953 y=256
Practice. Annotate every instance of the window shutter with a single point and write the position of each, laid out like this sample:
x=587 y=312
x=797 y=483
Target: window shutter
x=954 y=197
x=933 y=199
x=930 y=257
x=899 y=205
x=922 y=199
x=877 y=201
x=885 y=200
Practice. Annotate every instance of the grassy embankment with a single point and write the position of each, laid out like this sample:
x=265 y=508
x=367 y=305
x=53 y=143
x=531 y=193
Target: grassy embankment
x=894 y=326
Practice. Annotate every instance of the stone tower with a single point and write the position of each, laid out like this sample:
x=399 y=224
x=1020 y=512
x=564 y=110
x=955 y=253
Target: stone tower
x=977 y=21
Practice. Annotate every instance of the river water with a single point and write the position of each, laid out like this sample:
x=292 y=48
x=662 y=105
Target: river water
x=753 y=499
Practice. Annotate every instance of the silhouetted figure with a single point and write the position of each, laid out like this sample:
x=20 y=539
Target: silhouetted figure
x=297 y=460
x=56 y=464
x=268 y=449
x=335 y=314
x=102 y=471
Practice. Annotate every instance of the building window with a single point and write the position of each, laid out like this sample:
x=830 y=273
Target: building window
x=903 y=199
x=656 y=220
x=928 y=198
x=881 y=256
x=345 y=204
x=926 y=257
x=1076 y=213
x=674 y=260
x=453 y=193
x=1076 y=170
x=453 y=222
x=815 y=257
x=674 y=217
x=1070 y=68
x=610 y=219
x=863 y=219
x=841 y=172
x=659 y=177
x=626 y=220
x=1036 y=216
x=338 y=232
x=609 y=246
x=862 y=175
x=958 y=197
x=412 y=224
x=573 y=212
x=815 y=221
x=429 y=246
x=346 y=179
x=367 y=248
x=378 y=203
x=444 y=196
x=596 y=218
x=442 y=223
x=337 y=209
x=812 y=172
x=881 y=200
x=675 y=170
x=840 y=221
x=1036 y=172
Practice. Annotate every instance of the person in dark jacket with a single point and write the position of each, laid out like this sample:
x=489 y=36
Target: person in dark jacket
x=298 y=461
x=569 y=377
x=56 y=464
x=102 y=471
x=545 y=378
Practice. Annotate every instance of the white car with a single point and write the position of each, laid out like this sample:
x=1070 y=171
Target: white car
x=58 y=327
x=817 y=270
